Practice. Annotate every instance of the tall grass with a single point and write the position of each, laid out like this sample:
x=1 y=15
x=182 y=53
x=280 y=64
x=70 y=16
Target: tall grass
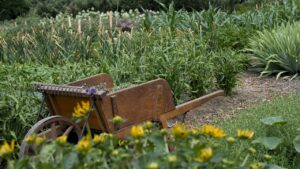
x=58 y=40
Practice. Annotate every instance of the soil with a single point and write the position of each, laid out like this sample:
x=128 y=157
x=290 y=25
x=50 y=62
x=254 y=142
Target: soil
x=250 y=90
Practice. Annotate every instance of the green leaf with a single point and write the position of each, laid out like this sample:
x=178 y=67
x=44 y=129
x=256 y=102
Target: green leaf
x=20 y=164
x=70 y=160
x=270 y=143
x=271 y=121
x=158 y=142
x=298 y=129
x=296 y=143
x=45 y=165
x=47 y=152
x=217 y=158
x=272 y=166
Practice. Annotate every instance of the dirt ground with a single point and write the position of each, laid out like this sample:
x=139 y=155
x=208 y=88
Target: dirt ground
x=251 y=89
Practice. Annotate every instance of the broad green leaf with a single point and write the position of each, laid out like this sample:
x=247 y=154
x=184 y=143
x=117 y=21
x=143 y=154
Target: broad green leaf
x=272 y=166
x=270 y=143
x=47 y=152
x=70 y=160
x=271 y=121
x=296 y=143
x=217 y=158
x=45 y=165
x=158 y=142
x=298 y=129
x=18 y=164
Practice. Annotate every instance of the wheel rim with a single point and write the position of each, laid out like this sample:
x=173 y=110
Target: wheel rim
x=50 y=128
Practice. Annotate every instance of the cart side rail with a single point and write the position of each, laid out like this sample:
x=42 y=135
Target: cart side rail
x=185 y=107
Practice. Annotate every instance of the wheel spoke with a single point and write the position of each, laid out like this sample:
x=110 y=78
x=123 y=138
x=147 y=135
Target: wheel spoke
x=53 y=130
x=67 y=132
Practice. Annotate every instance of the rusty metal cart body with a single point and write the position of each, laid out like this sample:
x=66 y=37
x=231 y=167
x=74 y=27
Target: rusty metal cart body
x=150 y=101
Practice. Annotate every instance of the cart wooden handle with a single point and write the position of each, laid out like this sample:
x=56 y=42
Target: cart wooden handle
x=181 y=109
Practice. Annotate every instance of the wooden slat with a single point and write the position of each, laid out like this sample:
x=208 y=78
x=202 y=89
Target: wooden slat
x=181 y=109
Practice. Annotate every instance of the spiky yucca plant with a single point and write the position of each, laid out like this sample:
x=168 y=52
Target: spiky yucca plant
x=277 y=51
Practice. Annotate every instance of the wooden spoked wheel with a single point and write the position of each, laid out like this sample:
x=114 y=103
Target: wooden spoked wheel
x=51 y=128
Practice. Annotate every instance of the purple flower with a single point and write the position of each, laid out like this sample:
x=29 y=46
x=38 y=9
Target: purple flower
x=91 y=91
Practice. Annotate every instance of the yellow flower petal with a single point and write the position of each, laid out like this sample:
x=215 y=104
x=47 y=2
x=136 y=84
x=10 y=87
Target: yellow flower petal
x=7 y=149
x=84 y=145
x=204 y=155
x=245 y=134
x=179 y=131
x=211 y=130
x=137 y=131
x=62 y=139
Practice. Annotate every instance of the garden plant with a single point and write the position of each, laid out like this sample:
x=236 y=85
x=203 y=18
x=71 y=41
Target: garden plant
x=196 y=50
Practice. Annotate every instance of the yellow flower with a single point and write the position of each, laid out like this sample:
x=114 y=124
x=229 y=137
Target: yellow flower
x=172 y=158
x=100 y=138
x=179 y=131
x=194 y=131
x=30 y=139
x=148 y=125
x=7 y=149
x=117 y=120
x=81 y=109
x=230 y=139
x=39 y=140
x=252 y=150
x=153 y=165
x=84 y=144
x=227 y=162
x=204 y=155
x=137 y=131
x=163 y=131
x=256 y=165
x=115 y=153
x=85 y=105
x=122 y=142
x=245 y=134
x=62 y=139
x=211 y=130
x=267 y=157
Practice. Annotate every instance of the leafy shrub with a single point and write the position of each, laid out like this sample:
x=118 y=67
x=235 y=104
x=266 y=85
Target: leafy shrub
x=11 y=9
x=227 y=66
x=278 y=50
x=52 y=8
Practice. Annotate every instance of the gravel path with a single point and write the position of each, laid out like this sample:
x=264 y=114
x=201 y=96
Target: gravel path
x=250 y=90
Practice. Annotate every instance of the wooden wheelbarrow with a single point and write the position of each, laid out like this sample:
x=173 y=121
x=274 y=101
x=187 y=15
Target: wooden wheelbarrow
x=150 y=101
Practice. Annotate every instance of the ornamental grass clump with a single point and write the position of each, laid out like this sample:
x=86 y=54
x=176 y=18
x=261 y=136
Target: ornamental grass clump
x=277 y=51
